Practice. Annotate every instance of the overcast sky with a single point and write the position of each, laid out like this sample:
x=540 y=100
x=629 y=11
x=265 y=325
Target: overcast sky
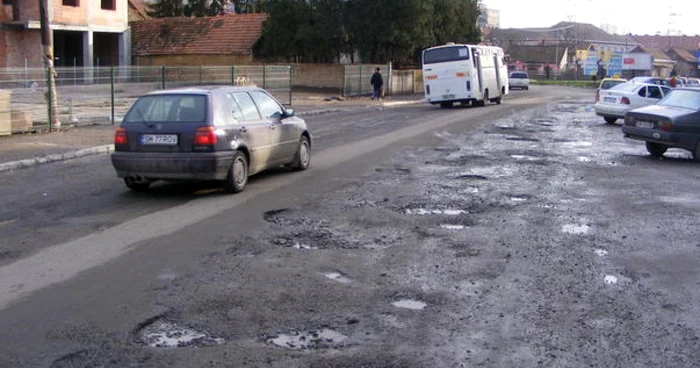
x=618 y=16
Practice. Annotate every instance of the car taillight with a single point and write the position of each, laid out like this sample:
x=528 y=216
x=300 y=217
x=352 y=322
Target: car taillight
x=625 y=101
x=120 y=136
x=665 y=126
x=205 y=136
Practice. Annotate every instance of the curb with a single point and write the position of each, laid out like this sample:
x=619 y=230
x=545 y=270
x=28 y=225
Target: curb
x=21 y=164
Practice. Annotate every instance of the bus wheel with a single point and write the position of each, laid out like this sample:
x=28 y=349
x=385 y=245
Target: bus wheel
x=498 y=101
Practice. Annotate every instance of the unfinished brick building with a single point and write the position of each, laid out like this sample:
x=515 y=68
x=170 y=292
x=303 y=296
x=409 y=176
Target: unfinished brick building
x=85 y=33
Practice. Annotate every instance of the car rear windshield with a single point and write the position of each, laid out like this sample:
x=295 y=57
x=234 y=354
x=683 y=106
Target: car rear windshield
x=518 y=75
x=444 y=54
x=682 y=98
x=168 y=108
x=610 y=83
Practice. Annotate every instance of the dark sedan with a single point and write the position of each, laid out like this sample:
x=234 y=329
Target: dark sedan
x=217 y=133
x=672 y=122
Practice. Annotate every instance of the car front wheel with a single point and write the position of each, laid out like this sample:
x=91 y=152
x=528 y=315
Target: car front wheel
x=237 y=177
x=656 y=150
x=302 y=159
x=610 y=120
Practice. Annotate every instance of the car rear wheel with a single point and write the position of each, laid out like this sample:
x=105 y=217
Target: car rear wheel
x=302 y=159
x=237 y=174
x=657 y=150
x=610 y=120
x=136 y=186
x=696 y=153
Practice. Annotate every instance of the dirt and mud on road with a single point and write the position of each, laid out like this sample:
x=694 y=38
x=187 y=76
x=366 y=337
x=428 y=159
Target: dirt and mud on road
x=543 y=239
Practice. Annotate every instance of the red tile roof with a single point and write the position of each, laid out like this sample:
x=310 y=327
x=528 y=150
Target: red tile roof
x=229 y=34
x=684 y=54
x=665 y=42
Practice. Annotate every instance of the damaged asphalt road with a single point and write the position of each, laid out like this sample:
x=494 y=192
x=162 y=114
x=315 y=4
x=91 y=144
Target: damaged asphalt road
x=522 y=238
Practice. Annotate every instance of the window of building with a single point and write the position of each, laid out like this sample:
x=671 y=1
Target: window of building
x=71 y=3
x=109 y=4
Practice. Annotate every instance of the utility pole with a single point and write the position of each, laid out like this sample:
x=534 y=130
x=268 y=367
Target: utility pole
x=47 y=50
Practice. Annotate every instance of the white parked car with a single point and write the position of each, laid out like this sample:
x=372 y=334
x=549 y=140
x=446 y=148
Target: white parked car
x=616 y=101
x=519 y=80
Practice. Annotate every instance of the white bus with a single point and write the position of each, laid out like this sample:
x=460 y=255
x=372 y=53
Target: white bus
x=468 y=74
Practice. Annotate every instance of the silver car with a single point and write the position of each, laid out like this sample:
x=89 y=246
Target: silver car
x=208 y=133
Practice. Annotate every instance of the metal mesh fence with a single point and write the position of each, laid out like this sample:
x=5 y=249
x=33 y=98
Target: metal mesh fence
x=104 y=94
x=356 y=81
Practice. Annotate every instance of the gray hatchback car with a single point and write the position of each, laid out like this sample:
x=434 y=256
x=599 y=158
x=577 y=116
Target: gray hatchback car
x=208 y=133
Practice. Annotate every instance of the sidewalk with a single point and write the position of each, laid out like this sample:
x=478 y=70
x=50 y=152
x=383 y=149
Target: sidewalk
x=25 y=150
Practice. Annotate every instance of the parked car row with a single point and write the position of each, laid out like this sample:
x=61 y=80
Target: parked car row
x=653 y=112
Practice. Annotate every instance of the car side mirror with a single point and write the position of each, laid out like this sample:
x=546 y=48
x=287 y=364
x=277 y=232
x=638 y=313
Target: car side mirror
x=288 y=113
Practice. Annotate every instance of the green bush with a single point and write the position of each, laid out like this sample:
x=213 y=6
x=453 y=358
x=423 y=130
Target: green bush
x=569 y=83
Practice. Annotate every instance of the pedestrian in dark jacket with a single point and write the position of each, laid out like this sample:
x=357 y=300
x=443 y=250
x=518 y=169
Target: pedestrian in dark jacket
x=377 y=82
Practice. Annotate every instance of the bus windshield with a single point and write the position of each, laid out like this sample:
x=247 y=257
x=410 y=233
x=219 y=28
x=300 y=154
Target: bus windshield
x=444 y=54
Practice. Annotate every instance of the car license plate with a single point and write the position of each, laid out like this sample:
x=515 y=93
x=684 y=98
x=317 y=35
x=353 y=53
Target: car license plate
x=159 y=139
x=644 y=124
x=448 y=97
x=609 y=99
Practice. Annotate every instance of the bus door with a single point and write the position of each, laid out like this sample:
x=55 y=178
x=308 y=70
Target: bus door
x=498 y=74
x=479 y=71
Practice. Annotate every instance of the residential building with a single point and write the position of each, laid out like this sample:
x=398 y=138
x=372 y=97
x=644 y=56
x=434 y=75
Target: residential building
x=488 y=20
x=85 y=33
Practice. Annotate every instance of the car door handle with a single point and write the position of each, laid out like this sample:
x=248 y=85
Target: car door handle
x=273 y=126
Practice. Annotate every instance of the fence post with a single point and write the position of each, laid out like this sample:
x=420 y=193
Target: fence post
x=111 y=83
x=359 y=92
x=264 y=76
x=200 y=75
x=342 y=92
x=290 y=85
x=233 y=75
x=162 y=77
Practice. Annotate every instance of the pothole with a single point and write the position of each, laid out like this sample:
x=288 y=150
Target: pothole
x=601 y=252
x=610 y=279
x=575 y=229
x=337 y=276
x=423 y=212
x=163 y=334
x=471 y=177
x=522 y=139
x=300 y=340
x=409 y=304
x=453 y=226
x=303 y=246
x=525 y=157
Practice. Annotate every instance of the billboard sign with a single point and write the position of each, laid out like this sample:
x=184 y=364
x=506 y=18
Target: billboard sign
x=608 y=63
